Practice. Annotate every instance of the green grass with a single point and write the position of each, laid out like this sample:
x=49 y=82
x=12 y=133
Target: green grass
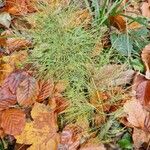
x=64 y=53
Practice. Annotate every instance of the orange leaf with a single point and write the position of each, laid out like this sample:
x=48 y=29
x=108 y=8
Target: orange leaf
x=13 y=44
x=118 y=21
x=45 y=90
x=13 y=121
x=19 y=7
x=7 y=99
x=27 y=92
x=41 y=133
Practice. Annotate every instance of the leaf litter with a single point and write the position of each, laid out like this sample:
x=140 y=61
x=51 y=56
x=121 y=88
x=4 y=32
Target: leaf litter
x=20 y=91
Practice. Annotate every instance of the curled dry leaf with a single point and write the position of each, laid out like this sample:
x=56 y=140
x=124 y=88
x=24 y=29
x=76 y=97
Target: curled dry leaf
x=136 y=113
x=13 y=121
x=118 y=21
x=143 y=94
x=27 y=91
x=42 y=132
x=146 y=59
x=145 y=8
x=45 y=90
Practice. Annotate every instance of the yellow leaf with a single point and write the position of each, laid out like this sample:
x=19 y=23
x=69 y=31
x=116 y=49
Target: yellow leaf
x=42 y=132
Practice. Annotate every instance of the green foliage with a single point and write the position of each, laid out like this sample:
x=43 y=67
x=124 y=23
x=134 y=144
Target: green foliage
x=130 y=45
x=126 y=142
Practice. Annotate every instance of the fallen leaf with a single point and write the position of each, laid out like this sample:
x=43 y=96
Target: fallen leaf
x=14 y=79
x=15 y=44
x=27 y=92
x=5 y=70
x=135 y=113
x=70 y=137
x=100 y=100
x=45 y=90
x=146 y=59
x=7 y=99
x=139 y=78
x=19 y=7
x=42 y=132
x=94 y=147
x=118 y=21
x=5 y=19
x=79 y=18
x=139 y=137
x=58 y=104
x=145 y=8
x=143 y=93
x=13 y=121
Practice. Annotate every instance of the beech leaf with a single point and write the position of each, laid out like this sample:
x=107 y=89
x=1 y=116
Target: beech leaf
x=136 y=113
x=143 y=93
x=45 y=90
x=13 y=121
x=14 y=79
x=42 y=132
x=27 y=92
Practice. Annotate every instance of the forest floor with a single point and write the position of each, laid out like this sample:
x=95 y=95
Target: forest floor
x=74 y=75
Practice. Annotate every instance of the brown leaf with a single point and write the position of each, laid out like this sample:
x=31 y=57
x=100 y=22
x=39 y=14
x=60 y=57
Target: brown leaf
x=100 y=100
x=80 y=18
x=58 y=104
x=42 y=132
x=136 y=113
x=14 y=44
x=139 y=78
x=146 y=59
x=145 y=8
x=13 y=121
x=45 y=90
x=94 y=147
x=139 y=137
x=143 y=93
x=19 y=7
x=14 y=79
x=70 y=137
x=27 y=92
x=7 y=99
x=118 y=21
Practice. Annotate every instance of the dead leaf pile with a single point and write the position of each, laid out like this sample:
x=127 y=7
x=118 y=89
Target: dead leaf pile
x=138 y=109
